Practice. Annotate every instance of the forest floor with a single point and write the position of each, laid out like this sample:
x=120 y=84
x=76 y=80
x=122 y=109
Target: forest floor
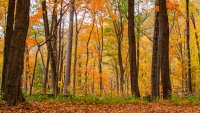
x=92 y=104
x=77 y=107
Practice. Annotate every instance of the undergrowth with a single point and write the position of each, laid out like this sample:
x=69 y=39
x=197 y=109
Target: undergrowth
x=177 y=100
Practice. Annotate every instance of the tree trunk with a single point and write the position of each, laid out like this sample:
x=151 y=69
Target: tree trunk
x=7 y=42
x=50 y=45
x=45 y=79
x=27 y=70
x=196 y=36
x=87 y=58
x=13 y=92
x=101 y=55
x=53 y=49
x=188 y=47
x=75 y=54
x=132 y=49
x=155 y=71
x=34 y=69
x=69 y=50
x=164 y=49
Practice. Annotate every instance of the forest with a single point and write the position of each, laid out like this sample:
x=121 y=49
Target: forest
x=100 y=56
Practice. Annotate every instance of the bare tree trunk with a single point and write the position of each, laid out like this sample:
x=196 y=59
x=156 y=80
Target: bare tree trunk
x=198 y=48
x=196 y=36
x=101 y=55
x=164 y=52
x=13 y=92
x=7 y=42
x=51 y=44
x=53 y=49
x=60 y=45
x=87 y=58
x=117 y=76
x=69 y=50
x=27 y=70
x=132 y=49
x=188 y=47
x=93 y=79
x=34 y=68
x=45 y=79
x=155 y=71
x=47 y=37
x=120 y=66
x=182 y=60
x=80 y=76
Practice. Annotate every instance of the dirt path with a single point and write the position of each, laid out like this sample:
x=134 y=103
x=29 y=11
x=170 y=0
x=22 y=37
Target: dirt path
x=70 y=107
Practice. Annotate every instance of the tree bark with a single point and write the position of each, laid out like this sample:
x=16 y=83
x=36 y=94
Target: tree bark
x=196 y=36
x=7 y=41
x=34 y=69
x=164 y=49
x=13 y=92
x=53 y=52
x=188 y=47
x=87 y=58
x=155 y=71
x=69 y=50
x=132 y=49
x=51 y=44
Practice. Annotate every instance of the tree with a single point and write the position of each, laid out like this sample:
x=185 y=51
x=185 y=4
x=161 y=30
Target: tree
x=78 y=28
x=69 y=49
x=155 y=71
x=47 y=34
x=13 y=92
x=188 y=46
x=7 y=42
x=164 y=49
x=196 y=36
x=132 y=49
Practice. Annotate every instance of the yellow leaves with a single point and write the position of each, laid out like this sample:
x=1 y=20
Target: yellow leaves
x=60 y=84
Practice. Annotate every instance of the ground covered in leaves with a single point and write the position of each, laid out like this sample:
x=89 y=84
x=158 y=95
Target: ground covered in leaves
x=81 y=107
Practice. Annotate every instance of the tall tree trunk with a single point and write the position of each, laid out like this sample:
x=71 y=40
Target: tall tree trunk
x=7 y=41
x=164 y=49
x=47 y=37
x=50 y=45
x=196 y=36
x=34 y=69
x=27 y=70
x=69 y=50
x=120 y=65
x=75 y=54
x=101 y=54
x=53 y=49
x=80 y=75
x=188 y=47
x=60 y=45
x=87 y=58
x=93 y=79
x=182 y=60
x=13 y=92
x=132 y=49
x=45 y=79
x=155 y=71
x=117 y=75
x=75 y=50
